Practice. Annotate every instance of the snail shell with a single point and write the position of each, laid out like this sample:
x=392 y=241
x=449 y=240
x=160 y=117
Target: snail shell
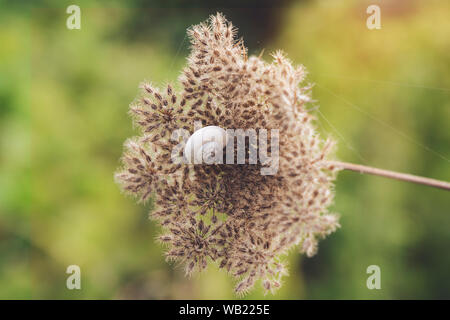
x=206 y=145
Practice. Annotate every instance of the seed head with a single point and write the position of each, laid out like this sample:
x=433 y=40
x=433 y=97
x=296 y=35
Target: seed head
x=230 y=213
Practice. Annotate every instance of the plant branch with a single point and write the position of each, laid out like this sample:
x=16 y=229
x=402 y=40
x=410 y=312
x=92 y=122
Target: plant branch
x=391 y=174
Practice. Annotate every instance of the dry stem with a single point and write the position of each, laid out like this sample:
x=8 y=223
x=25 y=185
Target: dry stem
x=392 y=174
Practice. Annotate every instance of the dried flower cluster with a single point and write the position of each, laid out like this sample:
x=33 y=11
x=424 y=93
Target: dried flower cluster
x=230 y=213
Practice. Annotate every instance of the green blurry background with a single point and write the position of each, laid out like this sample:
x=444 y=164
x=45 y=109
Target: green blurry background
x=383 y=94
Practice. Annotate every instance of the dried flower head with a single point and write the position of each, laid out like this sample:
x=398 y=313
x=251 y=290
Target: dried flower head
x=231 y=213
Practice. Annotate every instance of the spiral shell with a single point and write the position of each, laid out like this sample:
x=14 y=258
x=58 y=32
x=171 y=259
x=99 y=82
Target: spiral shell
x=206 y=145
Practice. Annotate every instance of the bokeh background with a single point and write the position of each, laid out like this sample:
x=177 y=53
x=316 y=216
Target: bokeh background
x=383 y=94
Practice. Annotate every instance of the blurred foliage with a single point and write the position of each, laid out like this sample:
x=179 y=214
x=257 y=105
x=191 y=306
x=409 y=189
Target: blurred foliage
x=383 y=94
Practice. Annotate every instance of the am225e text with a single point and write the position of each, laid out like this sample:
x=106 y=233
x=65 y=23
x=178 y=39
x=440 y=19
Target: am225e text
x=228 y=309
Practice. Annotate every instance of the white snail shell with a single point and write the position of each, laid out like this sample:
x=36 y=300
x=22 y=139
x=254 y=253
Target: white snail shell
x=206 y=145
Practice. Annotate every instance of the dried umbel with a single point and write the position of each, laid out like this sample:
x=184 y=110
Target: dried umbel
x=232 y=214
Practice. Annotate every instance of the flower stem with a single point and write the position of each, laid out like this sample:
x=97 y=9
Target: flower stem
x=391 y=174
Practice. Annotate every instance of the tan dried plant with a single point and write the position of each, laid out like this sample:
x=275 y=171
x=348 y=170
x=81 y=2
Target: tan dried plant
x=229 y=213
